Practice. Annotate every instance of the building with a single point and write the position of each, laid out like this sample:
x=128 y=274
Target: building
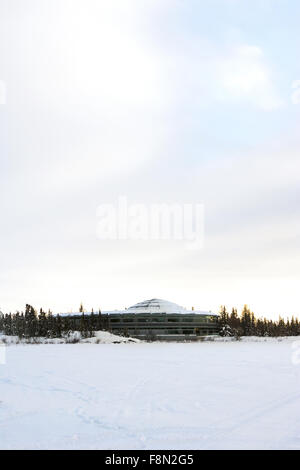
x=160 y=319
x=153 y=319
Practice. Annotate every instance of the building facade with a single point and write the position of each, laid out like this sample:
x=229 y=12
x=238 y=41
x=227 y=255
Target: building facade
x=153 y=319
x=160 y=319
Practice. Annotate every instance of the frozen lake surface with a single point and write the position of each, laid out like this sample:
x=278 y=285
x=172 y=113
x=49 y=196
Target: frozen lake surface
x=215 y=395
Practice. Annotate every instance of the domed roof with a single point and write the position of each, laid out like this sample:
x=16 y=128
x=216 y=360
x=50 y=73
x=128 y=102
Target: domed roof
x=150 y=306
x=156 y=306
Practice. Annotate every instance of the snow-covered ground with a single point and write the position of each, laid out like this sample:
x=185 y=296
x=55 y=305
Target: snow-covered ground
x=209 y=395
x=103 y=337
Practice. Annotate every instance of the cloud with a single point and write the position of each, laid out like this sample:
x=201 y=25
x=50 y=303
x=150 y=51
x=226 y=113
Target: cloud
x=112 y=97
x=201 y=73
x=245 y=76
x=90 y=101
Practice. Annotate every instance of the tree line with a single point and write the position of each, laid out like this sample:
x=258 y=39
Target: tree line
x=33 y=324
x=246 y=324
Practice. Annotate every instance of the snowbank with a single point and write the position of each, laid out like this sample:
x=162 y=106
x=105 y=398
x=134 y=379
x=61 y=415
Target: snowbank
x=101 y=337
x=252 y=339
x=104 y=337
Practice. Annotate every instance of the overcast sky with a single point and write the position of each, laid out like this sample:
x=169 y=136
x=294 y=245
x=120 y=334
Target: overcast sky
x=159 y=101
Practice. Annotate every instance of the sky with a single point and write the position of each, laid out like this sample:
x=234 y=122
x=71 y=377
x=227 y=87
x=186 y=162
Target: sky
x=158 y=101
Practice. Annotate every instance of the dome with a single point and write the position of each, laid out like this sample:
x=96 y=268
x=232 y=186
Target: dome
x=156 y=306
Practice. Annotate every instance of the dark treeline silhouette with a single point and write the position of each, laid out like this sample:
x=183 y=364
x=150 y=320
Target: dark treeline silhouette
x=246 y=324
x=33 y=324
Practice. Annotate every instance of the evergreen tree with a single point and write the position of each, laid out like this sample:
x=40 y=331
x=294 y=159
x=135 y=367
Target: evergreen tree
x=224 y=323
x=42 y=326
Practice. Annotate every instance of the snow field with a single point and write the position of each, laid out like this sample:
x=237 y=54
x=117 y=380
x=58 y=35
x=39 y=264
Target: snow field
x=209 y=395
